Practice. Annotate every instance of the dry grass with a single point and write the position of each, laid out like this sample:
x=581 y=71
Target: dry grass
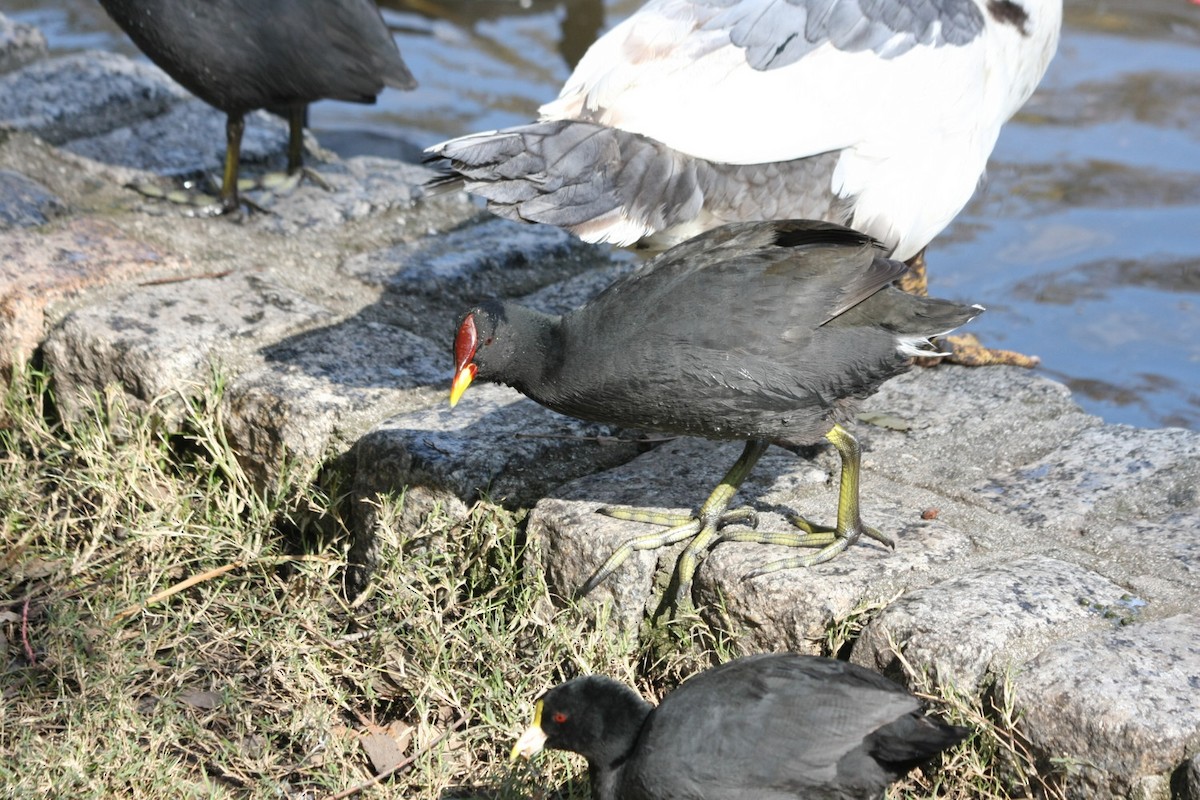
x=257 y=678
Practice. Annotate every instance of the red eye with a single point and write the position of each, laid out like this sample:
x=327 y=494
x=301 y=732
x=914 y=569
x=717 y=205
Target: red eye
x=559 y=717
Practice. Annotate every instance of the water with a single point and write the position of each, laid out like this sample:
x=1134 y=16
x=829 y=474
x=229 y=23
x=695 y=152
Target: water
x=1084 y=242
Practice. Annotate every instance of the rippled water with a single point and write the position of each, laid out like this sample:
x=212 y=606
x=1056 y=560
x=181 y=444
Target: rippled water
x=1084 y=243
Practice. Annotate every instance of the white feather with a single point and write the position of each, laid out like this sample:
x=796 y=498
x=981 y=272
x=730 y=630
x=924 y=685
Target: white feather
x=915 y=130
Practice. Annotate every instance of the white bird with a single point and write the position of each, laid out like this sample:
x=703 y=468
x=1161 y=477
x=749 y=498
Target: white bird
x=877 y=114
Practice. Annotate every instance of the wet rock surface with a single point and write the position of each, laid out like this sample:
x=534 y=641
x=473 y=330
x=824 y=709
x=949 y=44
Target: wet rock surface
x=1039 y=551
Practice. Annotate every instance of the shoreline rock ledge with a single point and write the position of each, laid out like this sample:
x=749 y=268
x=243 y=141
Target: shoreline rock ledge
x=1042 y=556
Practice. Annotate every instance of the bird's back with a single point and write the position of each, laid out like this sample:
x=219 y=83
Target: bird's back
x=729 y=336
x=239 y=56
x=778 y=726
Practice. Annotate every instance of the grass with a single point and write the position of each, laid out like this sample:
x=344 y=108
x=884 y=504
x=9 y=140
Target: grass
x=169 y=629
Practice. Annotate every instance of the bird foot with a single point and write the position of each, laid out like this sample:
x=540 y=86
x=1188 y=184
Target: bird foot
x=737 y=516
x=203 y=204
x=680 y=527
x=966 y=350
x=207 y=204
x=830 y=540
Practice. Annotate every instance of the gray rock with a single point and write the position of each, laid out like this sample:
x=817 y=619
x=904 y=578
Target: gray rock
x=797 y=608
x=786 y=609
x=314 y=394
x=961 y=426
x=161 y=343
x=1157 y=559
x=1102 y=476
x=496 y=443
x=430 y=283
x=20 y=44
x=360 y=189
x=1118 y=707
x=25 y=203
x=184 y=140
x=84 y=94
x=42 y=272
x=967 y=630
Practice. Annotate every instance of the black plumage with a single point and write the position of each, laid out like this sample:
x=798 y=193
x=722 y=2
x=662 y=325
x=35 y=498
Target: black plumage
x=767 y=332
x=276 y=54
x=766 y=727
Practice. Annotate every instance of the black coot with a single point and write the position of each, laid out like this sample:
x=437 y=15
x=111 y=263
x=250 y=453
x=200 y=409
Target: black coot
x=765 y=727
x=767 y=332
x=242 y=55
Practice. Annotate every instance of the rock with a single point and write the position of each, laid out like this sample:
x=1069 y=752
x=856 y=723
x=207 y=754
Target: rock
x=362 y=189
x=25 y=203
x=429 y=284
x=785 y=609
x=1104 y=475
x=39 y=270
x=496 y=443
x=312 y=395
x=968 y=630
x=186 y=139
x=20 y=44
x=162 y=344
x=961 y=426
x=1117 y=706
x=84 y=95
x=1158 y=559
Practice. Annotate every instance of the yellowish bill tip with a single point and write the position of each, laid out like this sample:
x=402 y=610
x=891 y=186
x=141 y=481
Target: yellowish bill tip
x=532 y=739
x=461 y=381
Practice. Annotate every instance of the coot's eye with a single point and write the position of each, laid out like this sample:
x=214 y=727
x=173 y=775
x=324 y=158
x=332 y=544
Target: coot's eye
x=487 y=341
x=559 y=717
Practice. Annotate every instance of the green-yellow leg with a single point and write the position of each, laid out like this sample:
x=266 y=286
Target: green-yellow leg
x=701 y=529
x=235 y=125
x=832 y=541
x=296 y=119
x=230 y=197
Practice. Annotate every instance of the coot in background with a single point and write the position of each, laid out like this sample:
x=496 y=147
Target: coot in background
x=277 y=54
x=766 y=726
x=762 y=331
x=694 y=113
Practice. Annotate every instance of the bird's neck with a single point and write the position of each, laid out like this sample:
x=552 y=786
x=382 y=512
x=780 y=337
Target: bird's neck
x=537 y=352
x=626 y=714
x=604 y=781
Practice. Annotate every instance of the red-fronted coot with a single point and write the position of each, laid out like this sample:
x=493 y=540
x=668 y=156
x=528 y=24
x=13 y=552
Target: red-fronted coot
x=767 y=332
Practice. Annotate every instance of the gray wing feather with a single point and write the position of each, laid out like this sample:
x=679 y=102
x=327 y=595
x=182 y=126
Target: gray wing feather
x=576 y=175
x=777 y=33
x=583 y=177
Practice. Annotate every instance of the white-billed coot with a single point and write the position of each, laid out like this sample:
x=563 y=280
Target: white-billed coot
x=765 y=727
x=756 y=331
x=243 y=55
x=691 y=114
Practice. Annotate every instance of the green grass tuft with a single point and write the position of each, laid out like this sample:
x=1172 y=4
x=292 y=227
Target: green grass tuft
x=168 y=628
